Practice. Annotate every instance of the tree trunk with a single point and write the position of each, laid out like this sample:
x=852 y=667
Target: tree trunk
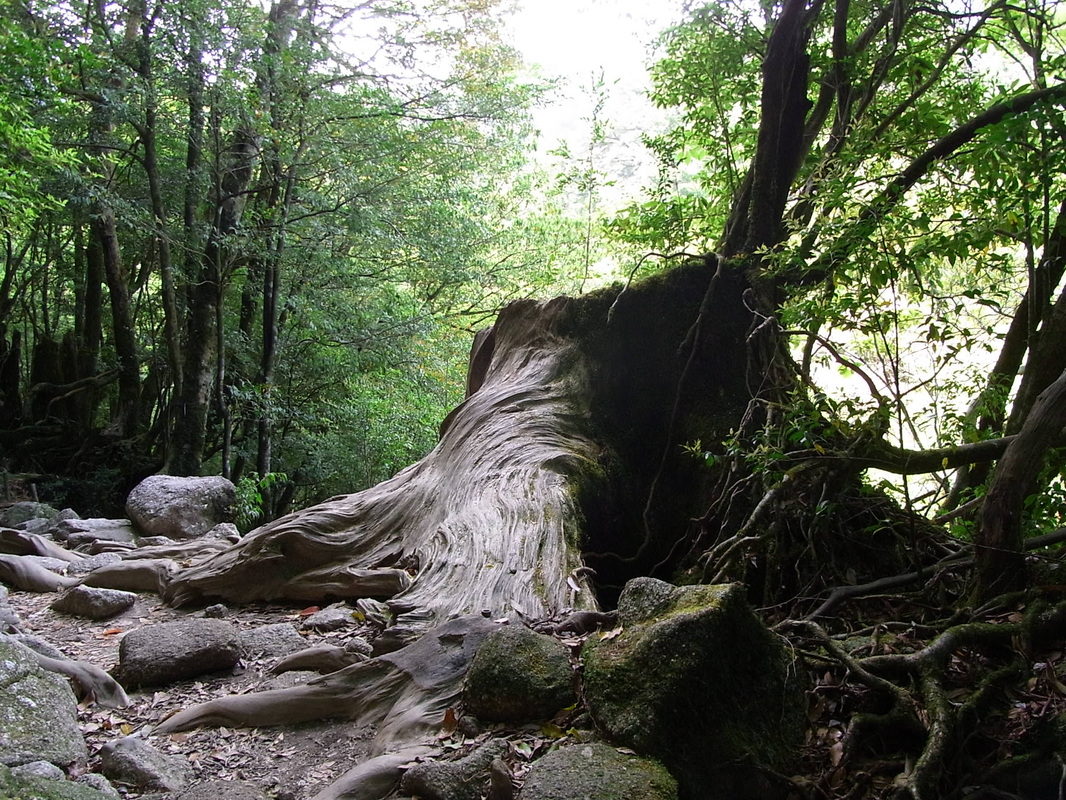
x=185 y=453
x=1000 y=558
x=564 y=455
x=578 y=413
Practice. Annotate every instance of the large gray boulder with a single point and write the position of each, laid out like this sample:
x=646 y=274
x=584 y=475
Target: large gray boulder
x=519 y=675
x=38 y=712
x=181 y=508
x=596 y=771
x=696 y=681
x=157 y=655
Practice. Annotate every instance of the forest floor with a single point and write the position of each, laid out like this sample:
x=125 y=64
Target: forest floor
x=295 y=762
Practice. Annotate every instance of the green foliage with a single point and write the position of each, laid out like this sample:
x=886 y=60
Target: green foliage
x=389 y=210
x=252 y=493
x=895 y=315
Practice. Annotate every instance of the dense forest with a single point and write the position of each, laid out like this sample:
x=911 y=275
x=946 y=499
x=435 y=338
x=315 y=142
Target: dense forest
x=251 y=241
x=254 y=241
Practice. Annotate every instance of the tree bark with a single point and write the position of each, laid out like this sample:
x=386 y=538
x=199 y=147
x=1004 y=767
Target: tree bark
x=185 y=452
x=556 y=451
x=999 y=551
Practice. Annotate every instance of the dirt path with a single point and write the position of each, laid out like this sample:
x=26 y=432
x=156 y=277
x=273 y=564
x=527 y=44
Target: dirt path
x=292 y=763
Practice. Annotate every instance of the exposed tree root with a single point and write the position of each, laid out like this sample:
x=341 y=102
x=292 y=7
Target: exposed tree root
x=405 y=693
x=89 y=680
x=956 y=561
x=324 y=658
x=22 y=543
x=920 y=687
x=29 y=576
x=375 y=777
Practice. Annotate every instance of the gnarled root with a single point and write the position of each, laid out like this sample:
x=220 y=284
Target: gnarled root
x=407 y=692
x=918 y=683
x=375 y=778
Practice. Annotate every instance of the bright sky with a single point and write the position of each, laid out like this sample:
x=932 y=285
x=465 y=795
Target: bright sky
x=573 y=40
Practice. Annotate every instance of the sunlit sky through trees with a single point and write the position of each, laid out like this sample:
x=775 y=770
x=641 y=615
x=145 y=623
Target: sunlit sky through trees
x=577 y=42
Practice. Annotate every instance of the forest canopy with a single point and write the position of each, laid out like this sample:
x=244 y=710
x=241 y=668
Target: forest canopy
x=253 y=240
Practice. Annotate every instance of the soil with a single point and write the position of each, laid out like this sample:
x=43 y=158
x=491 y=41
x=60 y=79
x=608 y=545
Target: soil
x=294 y=762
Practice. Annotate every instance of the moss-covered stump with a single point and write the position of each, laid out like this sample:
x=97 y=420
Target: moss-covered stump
x=597 y=772
x=518 y=675
x=696 y=681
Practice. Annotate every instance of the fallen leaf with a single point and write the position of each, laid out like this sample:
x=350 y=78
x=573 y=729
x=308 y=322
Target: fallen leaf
x=451 y=721
x=836 y=753
x=612 y=633
x=111 y=631
x=308 y=611
x=552 y=730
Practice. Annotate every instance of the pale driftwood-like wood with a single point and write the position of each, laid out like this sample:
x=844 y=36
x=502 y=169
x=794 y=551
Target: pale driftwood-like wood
x=91 y=682
x=23 y=543
x=490 y=516
x=144 y=575
x=24 y=574
x=323 y=658
x=405 y=694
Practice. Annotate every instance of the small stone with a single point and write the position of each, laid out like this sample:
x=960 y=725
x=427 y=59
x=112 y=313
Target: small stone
x=465 y=779
x=97 y=781
x=272 y=641
x=93 y=603
x=17 y=513
x=86 y=565
x=77 y=532
x=132 y=760
x=157 y=655
x=359 y=645
x=597 y=771
x=217 y=611
x=41 y=769
x=331 y=618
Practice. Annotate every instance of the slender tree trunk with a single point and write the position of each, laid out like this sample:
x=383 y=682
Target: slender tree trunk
x=10 y=379
x=204 y=297
x=126 y=419
x=1000 y=558
x=147 y=132
x=1033 y=313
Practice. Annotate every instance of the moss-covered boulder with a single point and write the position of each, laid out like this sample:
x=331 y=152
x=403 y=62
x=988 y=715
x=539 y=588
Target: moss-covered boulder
x=597 y=772
x=518 y=675
x=38 y=712
x=18 y=513
x=696 y=681
x=32 y=787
